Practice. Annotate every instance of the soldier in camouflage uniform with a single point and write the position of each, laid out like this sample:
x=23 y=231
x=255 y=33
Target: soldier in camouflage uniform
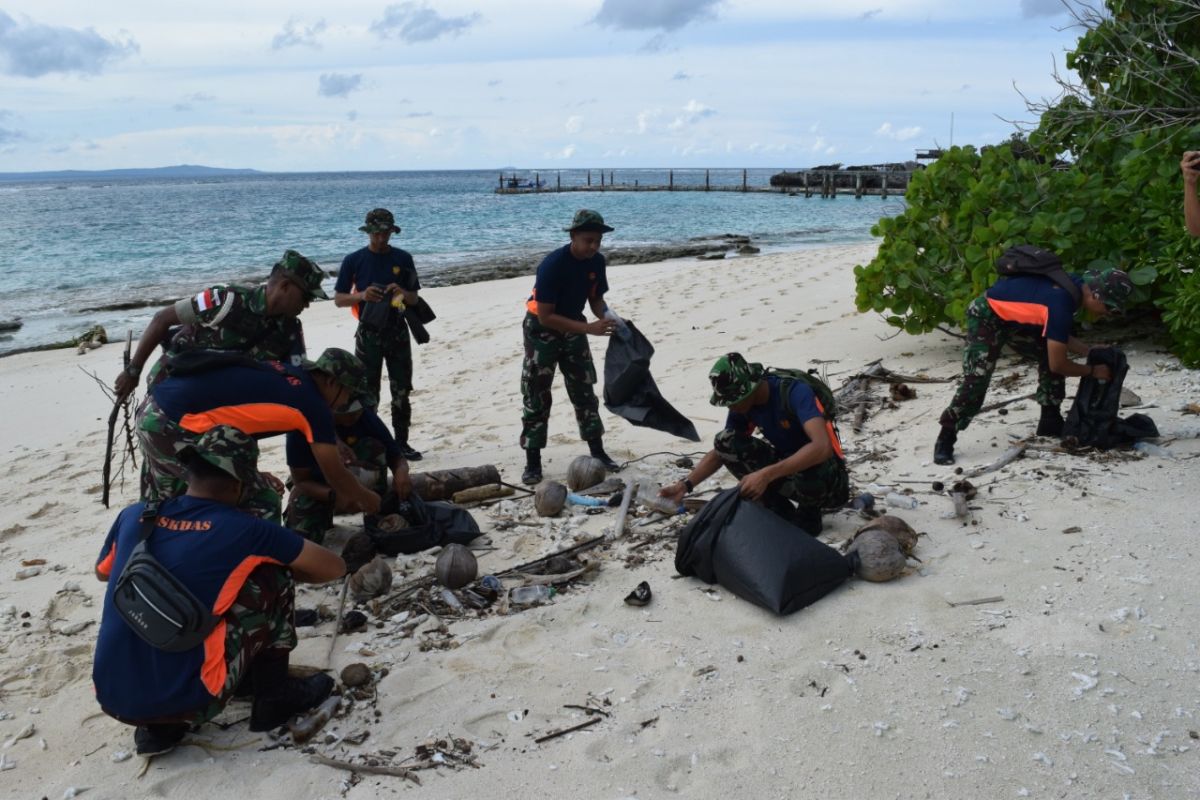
x=206 y=542
x=261 y=321
x=266 y=399
x=378 y=282
x=555 y=333
x=1032 y=315
x=369 y=452
x=798 y=459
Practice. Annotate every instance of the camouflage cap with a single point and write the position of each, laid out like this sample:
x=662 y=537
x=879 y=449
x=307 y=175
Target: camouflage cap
x=304 y=273
x=1111 y=285
x=227 y=449
x=345 y=368
x=733 y=379
x=380 y=220
x=588 y=220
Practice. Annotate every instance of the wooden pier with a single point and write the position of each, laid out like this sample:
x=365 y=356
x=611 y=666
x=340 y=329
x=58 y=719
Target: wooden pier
x=825 y=183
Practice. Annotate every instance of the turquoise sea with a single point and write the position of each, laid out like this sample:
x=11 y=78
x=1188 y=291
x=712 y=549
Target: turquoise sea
x=70 y=246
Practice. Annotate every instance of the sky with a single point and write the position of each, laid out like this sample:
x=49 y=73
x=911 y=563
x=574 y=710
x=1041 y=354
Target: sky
x=551 y=84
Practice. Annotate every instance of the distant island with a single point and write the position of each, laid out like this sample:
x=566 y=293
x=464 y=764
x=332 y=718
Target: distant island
x=178 y=171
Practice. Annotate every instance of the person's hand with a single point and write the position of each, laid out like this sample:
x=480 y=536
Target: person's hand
x=367 y=501
x=674 y=492
x=373 y=294
x=754 y=485
x=273 y=482
x=1190 y=166
x=601 y=327
x=1101 y=372
x=347 y=455
x=124 y=384
x=402 y=484
x=344 y=505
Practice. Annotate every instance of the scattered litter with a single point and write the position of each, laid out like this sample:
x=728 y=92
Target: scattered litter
x=640 y=596
x=121 y=755
x=1086 y=683
x=24 y=733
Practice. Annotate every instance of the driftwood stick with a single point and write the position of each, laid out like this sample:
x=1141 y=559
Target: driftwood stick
x=977 y=602
x=1010 y=456
x=532 y=579
x=565 y=731
x=396 y=772
x=112 y=427
x=1003 y=403
x=623 y=510
x=337 y=623
x=477 y=493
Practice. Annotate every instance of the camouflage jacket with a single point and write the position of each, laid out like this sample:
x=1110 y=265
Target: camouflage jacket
x=235 y=318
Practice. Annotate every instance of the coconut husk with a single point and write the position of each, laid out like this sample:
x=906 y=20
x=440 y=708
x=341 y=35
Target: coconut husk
x=879 y=557
x=585 y=472
x=456 y=566
x=371 y=580
x=897 y=528
x=549 y=498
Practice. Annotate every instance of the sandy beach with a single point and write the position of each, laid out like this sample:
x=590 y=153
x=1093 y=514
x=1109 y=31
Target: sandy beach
x=1078 y=678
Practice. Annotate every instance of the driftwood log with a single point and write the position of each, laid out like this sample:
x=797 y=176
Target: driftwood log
x=443 y=484
x=478 y=494
x=1011 y=455
x=854 y=396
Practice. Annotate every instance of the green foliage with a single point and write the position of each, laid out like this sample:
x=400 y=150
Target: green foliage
x=1118 y=202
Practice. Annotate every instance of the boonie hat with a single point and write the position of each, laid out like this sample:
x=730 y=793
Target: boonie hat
x=304 y=273
x=733 y=379
x=380 y=220
x=587 y=220
x=1111 y=285
x=227 y=449
x=345 y=368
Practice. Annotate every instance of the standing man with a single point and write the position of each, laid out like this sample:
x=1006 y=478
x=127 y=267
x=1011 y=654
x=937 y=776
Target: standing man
x=1190 y=165
x=798 y=457
x=261 y=321
x=378 y=282
x=556 y=332
x=1033 y=315
x=244 y=571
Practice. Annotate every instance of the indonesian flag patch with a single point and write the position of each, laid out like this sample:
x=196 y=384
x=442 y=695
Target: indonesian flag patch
x=209 y=298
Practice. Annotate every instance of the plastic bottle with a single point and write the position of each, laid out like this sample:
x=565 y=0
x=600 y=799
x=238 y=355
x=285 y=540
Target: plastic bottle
x=530 y=595
x=897 y=500
x=1151 y=449
x=864 y=502
x=584 y=500
x=622 y=328
x=660 y=504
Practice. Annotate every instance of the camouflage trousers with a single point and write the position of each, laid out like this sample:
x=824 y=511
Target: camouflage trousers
x=311 y=517
x=163 y=474
x=546 y=350
x=391 y=346
x=827 y=485
x=987 y=334
x=259 y=625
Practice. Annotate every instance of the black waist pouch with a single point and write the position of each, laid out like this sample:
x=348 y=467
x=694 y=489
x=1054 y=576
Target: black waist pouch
x=155 y=604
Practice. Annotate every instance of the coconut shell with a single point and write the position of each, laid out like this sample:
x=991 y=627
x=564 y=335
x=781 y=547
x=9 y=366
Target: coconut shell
x=900 y=530
x=584 y=473
x=456 y=566
x=549 y=498
x=371 y=580
x=879 y=556
x=354 y=675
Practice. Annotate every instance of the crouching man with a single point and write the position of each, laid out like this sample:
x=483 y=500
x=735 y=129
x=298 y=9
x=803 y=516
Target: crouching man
x=796 y=460
x=368 y=451
x=242 y=568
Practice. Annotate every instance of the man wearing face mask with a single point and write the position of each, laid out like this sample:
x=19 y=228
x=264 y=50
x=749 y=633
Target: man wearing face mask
x=261 y=321
x=259 y=399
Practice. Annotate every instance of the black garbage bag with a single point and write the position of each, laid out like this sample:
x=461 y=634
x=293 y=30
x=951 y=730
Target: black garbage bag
x=630 y=390
x=1092 y=420
x=758 y=555
x=430 y=524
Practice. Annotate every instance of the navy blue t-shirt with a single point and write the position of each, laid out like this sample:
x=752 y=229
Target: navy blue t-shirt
x=259 y=401
x=367 y=426
x=362 y=268
x=1035 y=305
x=780 y=429
x=211 y=548
x=568 y=282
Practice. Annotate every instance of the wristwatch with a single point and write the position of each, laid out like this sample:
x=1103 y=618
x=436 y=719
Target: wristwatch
x=691 y=487
x=133 y=370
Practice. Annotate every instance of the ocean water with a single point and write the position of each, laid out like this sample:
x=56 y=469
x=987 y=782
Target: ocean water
x=68 y=248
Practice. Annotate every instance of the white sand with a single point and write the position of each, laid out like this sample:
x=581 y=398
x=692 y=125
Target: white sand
x=1081 y=683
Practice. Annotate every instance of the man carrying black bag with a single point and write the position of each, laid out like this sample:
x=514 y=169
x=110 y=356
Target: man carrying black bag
x=241 y=570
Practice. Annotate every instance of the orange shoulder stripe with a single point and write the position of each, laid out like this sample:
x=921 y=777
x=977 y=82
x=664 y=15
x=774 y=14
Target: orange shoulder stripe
x=833 y=438
x=250 y=418
x=104 y=567
x=1021 y=313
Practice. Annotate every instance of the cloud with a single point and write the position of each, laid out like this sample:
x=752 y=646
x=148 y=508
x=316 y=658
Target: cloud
x=563 y=154
x=644 y=119
x=645 y=15
x=574 y=124
x=866 y=15
x=195 y=97
x=9 y=136
x=416 y=114
x=900 y=135
x=352 y=115
x=681 y=76
x=657 y=43
x=416 y=22
x=338 y=84
x=495 y=82
x=1042 y=8
x=293 y=35
x=693 y=112
x=31 y=49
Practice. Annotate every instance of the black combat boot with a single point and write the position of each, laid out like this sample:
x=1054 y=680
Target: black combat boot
x=533 y=467
x=277 y=697
x=943 y=448
x=597 y=448
x=1051 y=423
